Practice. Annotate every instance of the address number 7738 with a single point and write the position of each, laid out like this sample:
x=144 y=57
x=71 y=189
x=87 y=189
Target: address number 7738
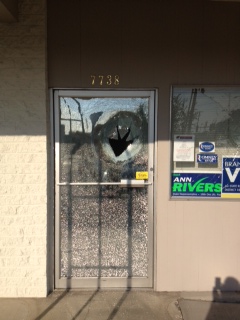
x=109 y=80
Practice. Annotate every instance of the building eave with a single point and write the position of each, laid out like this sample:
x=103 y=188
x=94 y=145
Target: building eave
x=8 y=10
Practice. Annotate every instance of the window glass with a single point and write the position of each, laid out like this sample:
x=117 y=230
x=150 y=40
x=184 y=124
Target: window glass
x=205 y=142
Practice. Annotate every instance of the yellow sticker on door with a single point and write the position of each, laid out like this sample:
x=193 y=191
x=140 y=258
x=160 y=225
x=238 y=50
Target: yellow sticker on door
x=142 y=175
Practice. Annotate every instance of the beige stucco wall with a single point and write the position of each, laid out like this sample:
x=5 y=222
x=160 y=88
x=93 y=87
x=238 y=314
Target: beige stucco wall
x=23 y=157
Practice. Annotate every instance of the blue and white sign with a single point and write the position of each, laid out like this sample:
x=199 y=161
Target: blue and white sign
x=207 y=158
x=230 y=177
x=206 y=146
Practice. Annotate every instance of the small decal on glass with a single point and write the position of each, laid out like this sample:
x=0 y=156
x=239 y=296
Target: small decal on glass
x=143 y=175
x=207 y=158
x=206 y=146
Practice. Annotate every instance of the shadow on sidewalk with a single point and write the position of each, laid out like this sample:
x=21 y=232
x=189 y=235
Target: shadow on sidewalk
x=114 y=311
x=225 y=300
x=222 y=304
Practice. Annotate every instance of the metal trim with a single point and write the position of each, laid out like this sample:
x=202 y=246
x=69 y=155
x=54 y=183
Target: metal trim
x=147 y=282
x=134 y=184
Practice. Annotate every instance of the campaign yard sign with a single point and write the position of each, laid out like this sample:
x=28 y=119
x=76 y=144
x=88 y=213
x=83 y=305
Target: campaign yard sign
x=205 y=185
x=230 y=177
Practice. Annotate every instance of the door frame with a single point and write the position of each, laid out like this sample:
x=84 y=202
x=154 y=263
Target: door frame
x=61 y=283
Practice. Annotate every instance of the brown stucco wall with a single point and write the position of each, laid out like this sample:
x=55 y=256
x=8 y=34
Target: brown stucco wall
x=156 y=44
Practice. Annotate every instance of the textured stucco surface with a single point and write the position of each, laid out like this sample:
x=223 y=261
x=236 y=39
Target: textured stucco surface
x=157 y=44
x=23 y=153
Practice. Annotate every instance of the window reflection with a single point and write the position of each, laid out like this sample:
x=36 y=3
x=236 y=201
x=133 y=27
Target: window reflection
x=211 y=114
x=106 y=138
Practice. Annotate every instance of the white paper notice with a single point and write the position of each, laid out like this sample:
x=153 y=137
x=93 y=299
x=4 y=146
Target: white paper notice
x=183 y=148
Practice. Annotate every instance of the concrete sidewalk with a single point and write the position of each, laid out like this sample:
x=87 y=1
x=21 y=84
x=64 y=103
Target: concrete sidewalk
x=122 y=305
x=89 y=305
x=210 y=306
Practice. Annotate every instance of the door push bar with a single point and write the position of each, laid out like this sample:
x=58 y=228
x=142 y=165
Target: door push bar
x=124 y=183
x=128 y=183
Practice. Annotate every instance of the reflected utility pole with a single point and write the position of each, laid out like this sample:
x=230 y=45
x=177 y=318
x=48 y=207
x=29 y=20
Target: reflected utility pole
x=80 y=113
x=191 y=109
x=70 y=115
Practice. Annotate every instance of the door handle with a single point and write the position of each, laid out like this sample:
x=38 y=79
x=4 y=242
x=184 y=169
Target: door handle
x=133 y=183
x=125 y=183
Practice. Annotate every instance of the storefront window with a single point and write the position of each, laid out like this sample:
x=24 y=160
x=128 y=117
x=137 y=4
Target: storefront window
x=205 y=137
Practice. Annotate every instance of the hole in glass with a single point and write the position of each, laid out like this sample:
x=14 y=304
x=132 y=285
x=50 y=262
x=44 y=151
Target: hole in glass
x=119 y=145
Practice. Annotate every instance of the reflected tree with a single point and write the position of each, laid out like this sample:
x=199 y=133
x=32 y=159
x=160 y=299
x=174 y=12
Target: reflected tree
x=184 y=113
x=179 y=112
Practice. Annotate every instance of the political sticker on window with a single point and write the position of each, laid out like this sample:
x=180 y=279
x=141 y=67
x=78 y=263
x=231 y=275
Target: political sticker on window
x=207 y=158
x=206 y=185
x=230 y=177
x=183 y=148
x=206 y=146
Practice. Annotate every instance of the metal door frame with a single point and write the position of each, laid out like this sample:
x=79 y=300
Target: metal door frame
x=112 y=282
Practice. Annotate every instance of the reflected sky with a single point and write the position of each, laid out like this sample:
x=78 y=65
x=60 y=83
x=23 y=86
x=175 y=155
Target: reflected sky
x=212 y=104
x=72 y=108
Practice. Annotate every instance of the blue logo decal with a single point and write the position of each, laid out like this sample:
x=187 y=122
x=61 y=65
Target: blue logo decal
x=206 y=146
x=207 y=158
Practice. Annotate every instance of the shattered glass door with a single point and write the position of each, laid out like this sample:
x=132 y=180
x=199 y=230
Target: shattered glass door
x=104 y=229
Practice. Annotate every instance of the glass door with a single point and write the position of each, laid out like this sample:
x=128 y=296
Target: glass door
x=104 y=146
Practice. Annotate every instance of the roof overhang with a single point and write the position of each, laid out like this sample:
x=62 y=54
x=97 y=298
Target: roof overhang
x=8 y=10
x=227 y=0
